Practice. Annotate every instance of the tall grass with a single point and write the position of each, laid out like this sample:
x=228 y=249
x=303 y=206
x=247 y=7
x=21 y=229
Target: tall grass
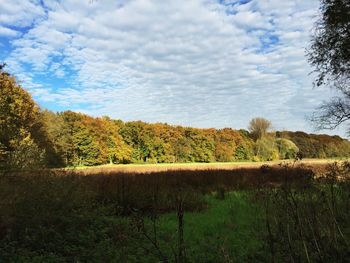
x=60 y=216
x=309 y=223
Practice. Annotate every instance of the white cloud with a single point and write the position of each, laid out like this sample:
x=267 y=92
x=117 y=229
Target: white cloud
x=196 y=63
x=20 y=13
x=7 y=32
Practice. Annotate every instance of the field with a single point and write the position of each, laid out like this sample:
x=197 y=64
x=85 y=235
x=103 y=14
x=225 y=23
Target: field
x=161 y=167
x=275 y=212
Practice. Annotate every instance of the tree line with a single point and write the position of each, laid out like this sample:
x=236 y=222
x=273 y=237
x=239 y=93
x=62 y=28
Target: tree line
x=31 y=137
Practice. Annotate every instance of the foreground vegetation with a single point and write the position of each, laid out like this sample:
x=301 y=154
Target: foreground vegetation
x=266 y=214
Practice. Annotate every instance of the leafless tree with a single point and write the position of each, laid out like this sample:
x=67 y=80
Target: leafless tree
x=258 y=127
x=329 y=54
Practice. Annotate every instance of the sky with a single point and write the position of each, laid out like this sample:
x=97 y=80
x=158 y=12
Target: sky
x=200 y=63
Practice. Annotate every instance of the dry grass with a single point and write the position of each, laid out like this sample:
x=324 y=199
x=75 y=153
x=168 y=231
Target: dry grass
x=317 y=165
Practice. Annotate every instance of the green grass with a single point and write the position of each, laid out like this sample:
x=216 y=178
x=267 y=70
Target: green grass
x=228 y=229
x=225 y=229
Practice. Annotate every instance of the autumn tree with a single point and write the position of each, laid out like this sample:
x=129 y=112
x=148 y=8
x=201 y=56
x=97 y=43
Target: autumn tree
x=59 y=137
x=30 y=137
x=227 y=141
x=19 y=122
x=132 y=134
x=286 y=148
x=244 y=150
x=69 y=127
x=85 y=147
x=266 y=149
x=117 y=150
x=329 y=54
x=258 y=127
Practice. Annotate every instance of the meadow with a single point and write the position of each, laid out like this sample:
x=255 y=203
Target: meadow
x=193 y=166
x=287 y=212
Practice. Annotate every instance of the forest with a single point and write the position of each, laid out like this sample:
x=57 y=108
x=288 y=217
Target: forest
x=33 y=137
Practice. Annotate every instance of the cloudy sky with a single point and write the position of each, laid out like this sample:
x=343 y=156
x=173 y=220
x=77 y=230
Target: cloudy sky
x=201 y=63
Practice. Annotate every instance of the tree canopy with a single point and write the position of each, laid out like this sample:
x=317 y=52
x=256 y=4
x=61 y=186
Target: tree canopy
x=329 y=54
x=30 y=137
x=19 y=125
